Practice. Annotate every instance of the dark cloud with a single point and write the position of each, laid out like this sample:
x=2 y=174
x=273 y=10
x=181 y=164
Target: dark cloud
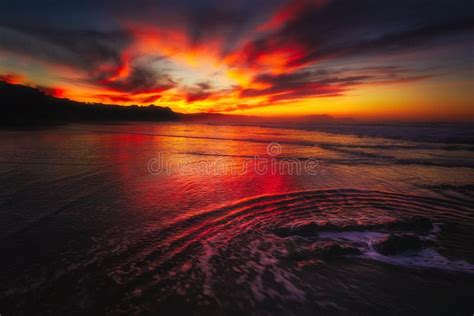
x=348 y=28
x=100 y=54
x=141 y=80
x=197 y=96
x=85 y=50
x=296 y=86
x=204 y=85
x=202 y=91
x=412 y=39
x=202 y=20
x=331 y=82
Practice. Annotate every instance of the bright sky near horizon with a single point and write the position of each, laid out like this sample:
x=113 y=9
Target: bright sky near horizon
x=407 y=59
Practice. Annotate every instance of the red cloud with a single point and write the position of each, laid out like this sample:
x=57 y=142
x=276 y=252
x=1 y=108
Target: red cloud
x=13 y=78
x=290 y=11
x=55 y=92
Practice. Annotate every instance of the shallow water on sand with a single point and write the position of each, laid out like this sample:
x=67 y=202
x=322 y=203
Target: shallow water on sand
x=161 y=218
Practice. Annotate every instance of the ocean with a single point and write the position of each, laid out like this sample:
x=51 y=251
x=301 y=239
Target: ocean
x=162 y=218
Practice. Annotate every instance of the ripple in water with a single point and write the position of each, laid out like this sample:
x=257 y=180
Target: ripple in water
x=296 y=251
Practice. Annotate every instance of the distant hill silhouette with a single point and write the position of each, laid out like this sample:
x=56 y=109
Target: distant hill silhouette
x=22 y=106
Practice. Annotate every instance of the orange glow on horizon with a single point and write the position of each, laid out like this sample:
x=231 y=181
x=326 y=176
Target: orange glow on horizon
x=13 y=78
x=263 y=73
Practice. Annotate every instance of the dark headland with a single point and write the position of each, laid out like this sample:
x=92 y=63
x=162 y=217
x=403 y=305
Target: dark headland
x=24 y=107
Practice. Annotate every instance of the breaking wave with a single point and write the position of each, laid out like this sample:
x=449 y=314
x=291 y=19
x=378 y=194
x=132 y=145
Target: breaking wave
x=261 y=248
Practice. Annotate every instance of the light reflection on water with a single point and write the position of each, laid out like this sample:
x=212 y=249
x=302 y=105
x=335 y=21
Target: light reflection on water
x=81 y=198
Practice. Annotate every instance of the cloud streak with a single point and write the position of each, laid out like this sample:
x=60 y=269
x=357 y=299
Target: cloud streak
x=212 y=56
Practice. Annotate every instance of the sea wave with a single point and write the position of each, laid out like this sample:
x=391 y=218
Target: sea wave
x=261 y=248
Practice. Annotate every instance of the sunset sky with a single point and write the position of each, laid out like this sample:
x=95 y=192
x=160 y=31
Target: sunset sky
x=376 y=59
